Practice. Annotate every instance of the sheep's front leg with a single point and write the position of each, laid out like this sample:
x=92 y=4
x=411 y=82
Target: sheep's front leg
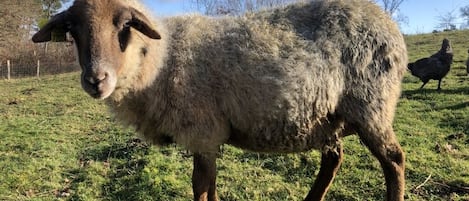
x=330 y=163
x=204 y=177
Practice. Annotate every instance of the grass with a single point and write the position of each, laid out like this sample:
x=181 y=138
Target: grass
x=58 y=144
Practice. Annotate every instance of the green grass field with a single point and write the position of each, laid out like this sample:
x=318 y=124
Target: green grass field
x=59 y=144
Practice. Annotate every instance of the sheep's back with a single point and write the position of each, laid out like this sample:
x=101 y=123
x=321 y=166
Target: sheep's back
x=276 y=75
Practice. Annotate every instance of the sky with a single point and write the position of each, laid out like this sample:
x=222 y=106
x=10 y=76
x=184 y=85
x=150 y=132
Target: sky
x=422 y=14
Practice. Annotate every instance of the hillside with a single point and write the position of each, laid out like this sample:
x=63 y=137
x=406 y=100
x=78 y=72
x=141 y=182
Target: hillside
x=59 y=144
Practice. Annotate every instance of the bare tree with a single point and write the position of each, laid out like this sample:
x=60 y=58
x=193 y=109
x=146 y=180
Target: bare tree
x=447 y=21
x=392 y=8
x=465 y=15
x=17 y=20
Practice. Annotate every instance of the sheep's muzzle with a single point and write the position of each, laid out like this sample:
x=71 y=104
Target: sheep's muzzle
x=98 y=84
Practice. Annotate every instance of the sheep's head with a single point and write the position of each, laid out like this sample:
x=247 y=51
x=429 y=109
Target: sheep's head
x=102 y=31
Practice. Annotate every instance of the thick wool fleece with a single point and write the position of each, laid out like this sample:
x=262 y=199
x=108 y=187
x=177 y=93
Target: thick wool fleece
x=282 y=80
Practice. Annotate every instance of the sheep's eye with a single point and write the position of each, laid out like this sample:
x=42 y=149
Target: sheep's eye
x=124 y=35
x=126 y=24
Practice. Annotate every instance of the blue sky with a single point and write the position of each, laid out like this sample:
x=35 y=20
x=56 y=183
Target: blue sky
x=422 y=14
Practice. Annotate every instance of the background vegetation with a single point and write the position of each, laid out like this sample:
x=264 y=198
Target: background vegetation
x=58 y=144
x=19 y=18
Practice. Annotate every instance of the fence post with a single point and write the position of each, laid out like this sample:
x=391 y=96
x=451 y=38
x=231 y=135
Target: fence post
x=8 y=69
x=38 y=67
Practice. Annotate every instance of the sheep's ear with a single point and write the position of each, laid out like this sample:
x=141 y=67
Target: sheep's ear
x=55 y=30
x=143 y=25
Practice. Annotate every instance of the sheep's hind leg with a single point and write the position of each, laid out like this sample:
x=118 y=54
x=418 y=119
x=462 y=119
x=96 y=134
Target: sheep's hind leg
x=330 y=163
x=204 y=177
x=386 y=148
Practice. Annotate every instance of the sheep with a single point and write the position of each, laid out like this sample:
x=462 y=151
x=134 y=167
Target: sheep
x=435 y=67
x=285 y=80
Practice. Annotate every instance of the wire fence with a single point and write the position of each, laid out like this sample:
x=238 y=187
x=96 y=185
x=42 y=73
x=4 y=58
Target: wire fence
x=36 y=60
x=12 y=69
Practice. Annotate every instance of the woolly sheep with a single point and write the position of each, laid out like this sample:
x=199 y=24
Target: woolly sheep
x=285 y=80
x=435 y=67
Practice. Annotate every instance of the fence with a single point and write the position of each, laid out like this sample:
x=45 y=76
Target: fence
x=35 y=60
x=11 y=69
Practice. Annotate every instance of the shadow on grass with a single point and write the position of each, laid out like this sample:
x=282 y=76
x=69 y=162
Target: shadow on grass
x=455 y=107
x=124 y=179
x=424 y=93
x=292 y=167
x=125 y=150
x=302 y=168
x=435 y=98
x=125 y=173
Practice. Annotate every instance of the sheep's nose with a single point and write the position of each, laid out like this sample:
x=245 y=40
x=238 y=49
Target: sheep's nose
x=97 y=78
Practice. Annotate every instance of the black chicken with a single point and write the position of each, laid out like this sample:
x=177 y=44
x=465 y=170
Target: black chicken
x=435 y=67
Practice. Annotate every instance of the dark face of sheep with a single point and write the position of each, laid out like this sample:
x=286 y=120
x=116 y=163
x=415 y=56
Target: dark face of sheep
x=102 y=31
